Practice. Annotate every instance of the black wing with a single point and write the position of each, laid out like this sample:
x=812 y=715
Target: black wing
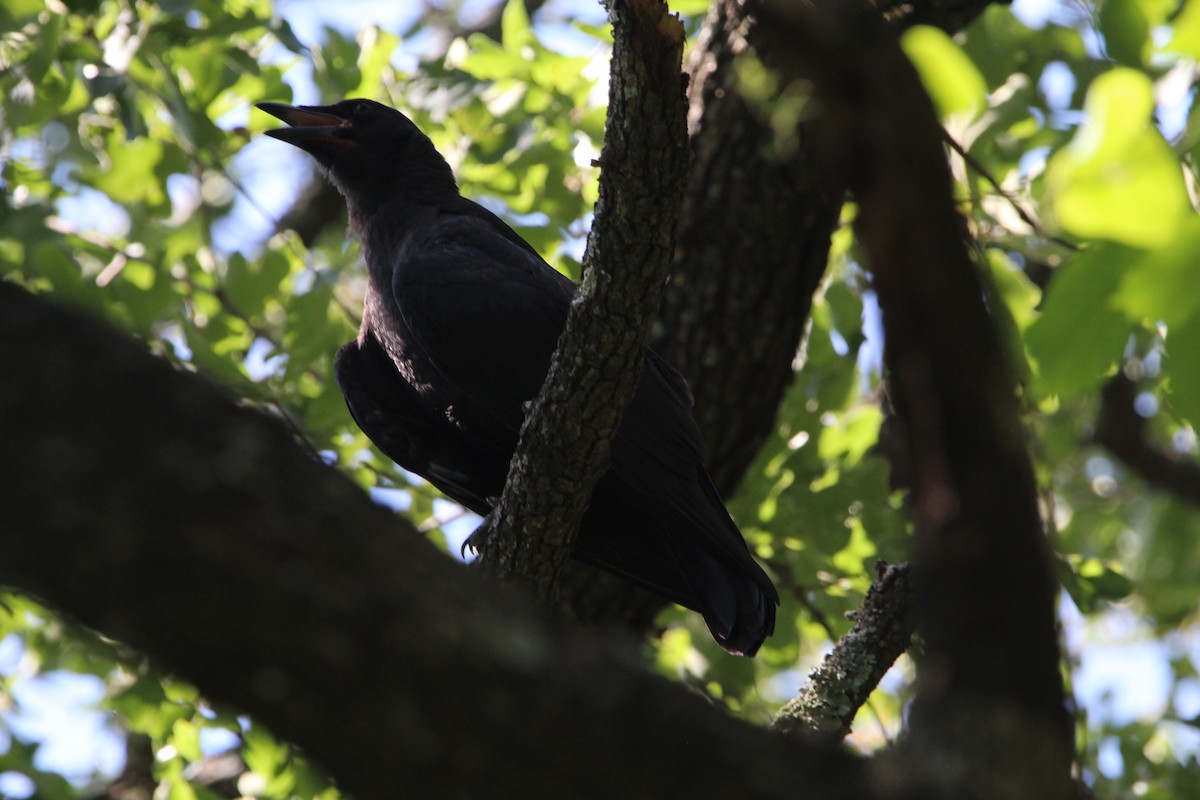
x=485 y=315
x=402 y=425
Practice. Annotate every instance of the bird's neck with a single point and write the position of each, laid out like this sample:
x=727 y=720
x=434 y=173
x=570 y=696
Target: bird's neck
x=383 y=232
x=394 y=192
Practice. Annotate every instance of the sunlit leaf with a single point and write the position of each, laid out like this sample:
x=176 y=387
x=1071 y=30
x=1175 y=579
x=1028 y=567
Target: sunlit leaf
x=1161 y=287
x=131 y=177
x=949 y=75
x=1080 y=333
x=515 y=32
x=1183 y=355
x=1126 y=30
x=1186 y=31
x=1118 y=179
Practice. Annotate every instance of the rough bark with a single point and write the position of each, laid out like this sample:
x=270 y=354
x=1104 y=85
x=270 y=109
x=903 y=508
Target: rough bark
x=146 y=504
x=752 y=247
x=564 y=447
x=990 y=710
x=753 y=238
x=882 y=631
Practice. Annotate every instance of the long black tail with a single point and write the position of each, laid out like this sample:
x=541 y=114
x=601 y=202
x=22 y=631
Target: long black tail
x=696 y=558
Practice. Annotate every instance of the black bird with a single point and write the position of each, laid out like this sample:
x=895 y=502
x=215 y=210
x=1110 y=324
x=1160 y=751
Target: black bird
x=460 y=322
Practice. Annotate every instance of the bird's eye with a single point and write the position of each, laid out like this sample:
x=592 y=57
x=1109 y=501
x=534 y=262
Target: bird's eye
x=362 y=109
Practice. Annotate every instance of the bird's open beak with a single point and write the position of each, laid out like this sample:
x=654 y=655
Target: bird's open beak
x=308 y=125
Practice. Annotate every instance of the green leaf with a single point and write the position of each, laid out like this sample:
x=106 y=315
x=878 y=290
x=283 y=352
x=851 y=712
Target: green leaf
x=310 y=332
x=20 y=9
x=1080 y=335
x=130 y=177
x=948 y=73
x=1118 y=179
x=1012 y=298
x=1183 y=363
x=1105 y=578
x=1186 y=37
x=1091 y=581
x=859 y=552
x=43 y=58
x=250 y=283
x=1019 y=294
x=1162 y=286
x=515 y=31
x=180 y=789
x=484 y=59
x=185 y=736
x=852 y=436
x=845 y=307
x=374 y=61
x=145 y=708
x=269 y=758
x=1126 y=30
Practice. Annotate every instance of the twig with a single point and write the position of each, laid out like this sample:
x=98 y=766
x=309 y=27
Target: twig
x=984 y=173
x=883 y=628
x=1121 y=430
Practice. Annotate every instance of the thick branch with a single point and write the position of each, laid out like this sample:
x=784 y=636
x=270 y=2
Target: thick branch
x=990 y=710
x=752 y=247
x=753 y=236
x=882 y=631
x=565 y=440
x=1123 y=431
x=142 y=501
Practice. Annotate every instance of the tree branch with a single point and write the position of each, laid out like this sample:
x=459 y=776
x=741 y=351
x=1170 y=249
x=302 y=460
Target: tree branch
x=1121 y=430
x=752 y=247
x=143 y=502
x=753 y=236
x=564 y=445
x=882 y=631
x=990 y=710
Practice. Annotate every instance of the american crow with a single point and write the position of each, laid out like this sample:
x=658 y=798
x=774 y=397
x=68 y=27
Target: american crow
x=460 y=322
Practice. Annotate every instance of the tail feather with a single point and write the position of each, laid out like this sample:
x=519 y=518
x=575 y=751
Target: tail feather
x=677 y=556
x=739 y=611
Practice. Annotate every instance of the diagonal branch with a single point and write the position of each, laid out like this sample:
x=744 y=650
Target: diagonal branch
x=142 y=501
x=565 y=440
x=882 y=631
x=1122 y=431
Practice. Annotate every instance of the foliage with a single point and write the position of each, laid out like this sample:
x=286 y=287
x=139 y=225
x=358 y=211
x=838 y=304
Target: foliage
x=131 y=165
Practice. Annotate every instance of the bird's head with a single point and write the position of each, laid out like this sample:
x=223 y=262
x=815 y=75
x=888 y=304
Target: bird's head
x=370 y=152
